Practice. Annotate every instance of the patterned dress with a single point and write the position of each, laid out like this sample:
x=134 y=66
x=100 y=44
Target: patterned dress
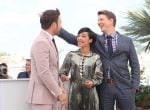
x=80 y=69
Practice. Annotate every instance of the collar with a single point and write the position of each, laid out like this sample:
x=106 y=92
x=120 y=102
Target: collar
x=48 y=34
x=88 y=55
x=113 y=35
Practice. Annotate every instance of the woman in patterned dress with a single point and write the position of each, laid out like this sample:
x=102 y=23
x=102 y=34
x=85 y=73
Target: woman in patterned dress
x=84 y=68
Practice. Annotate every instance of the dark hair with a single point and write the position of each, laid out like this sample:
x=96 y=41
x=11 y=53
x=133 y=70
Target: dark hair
x=3 y=64
x=91 y=34
x=28 y=59
x=109 y=14
x=48 y=17
x=3 y=68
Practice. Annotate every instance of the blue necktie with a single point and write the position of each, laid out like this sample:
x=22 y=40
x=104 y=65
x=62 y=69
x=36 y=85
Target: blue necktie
x=110 y=52
x=109 y=44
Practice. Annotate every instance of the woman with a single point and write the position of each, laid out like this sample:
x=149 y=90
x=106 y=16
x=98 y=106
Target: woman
x=84 y=68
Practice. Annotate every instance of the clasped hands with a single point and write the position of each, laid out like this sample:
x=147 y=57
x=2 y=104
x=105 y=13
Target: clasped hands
x=86 y=83
x=63 y=98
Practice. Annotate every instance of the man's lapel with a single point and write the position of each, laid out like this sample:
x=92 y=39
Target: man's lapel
x=102 y=40
x=46 y=36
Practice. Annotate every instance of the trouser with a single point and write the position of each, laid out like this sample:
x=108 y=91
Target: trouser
x=109 y=93
x=56 y=106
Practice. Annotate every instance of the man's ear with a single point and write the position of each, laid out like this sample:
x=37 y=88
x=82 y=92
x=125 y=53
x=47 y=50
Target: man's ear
x=54 y=25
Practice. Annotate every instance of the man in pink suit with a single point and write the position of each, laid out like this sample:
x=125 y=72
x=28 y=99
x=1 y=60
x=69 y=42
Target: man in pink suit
x=45 y=91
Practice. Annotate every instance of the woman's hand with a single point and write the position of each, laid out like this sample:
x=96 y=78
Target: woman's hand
x=88 y=83
x=64 y=77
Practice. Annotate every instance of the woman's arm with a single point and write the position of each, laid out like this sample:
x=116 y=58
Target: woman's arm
x=65 y=68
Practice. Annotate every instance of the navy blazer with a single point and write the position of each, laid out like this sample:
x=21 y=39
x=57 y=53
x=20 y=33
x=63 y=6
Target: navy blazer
x=124 y=56
x=23 y=75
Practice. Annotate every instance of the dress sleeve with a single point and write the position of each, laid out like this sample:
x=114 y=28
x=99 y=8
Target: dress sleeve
x=65 y=68
x=98 y=74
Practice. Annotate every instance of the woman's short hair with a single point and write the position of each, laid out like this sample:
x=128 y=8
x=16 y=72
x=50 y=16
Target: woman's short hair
x=91 y=34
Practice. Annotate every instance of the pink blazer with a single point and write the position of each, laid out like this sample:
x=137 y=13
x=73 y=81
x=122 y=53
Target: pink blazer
x=44 y=85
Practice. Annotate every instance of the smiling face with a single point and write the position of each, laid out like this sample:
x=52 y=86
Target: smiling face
x=105 y=23
x=84 y=40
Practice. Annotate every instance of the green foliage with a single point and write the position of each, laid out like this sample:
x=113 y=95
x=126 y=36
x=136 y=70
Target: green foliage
x=138 y=26
x=142 y=98
x=146 y=102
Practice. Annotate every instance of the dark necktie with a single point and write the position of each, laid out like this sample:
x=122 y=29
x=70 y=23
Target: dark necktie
x=109 y=44
x=54 y=44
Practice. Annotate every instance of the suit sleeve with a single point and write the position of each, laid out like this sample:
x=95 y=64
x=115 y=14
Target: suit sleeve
x=135 y=67
x=70 y=38
x=48 y=77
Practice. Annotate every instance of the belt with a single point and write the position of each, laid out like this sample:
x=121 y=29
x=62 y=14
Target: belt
x=110 y=81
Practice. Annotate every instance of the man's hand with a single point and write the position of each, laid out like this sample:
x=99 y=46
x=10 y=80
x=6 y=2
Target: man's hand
x=88 y=83
x=64 y=77
x=63 y=98
x=134 y=90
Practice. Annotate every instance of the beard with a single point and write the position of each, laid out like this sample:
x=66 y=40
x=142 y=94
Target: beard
x=57 y=30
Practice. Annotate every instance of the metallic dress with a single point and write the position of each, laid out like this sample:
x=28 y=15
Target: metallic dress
x=81 y=68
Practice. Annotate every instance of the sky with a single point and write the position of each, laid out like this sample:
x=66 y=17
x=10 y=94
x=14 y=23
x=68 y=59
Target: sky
x=19 y=19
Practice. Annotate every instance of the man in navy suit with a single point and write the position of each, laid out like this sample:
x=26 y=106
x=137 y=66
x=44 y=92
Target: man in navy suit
x=117 y=53
x=26 y=74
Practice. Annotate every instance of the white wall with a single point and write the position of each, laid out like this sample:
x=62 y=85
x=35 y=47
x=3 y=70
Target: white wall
x=12 y=94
